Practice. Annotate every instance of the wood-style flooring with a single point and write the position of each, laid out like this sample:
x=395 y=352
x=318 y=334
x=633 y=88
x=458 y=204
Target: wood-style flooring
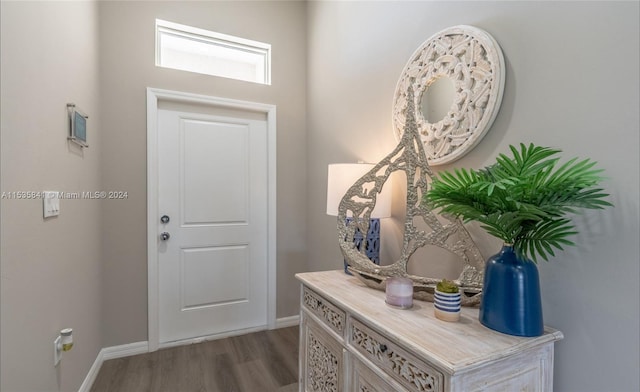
x=265 y=361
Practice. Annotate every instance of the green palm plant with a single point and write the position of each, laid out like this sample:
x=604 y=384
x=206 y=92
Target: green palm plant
x=524 y=199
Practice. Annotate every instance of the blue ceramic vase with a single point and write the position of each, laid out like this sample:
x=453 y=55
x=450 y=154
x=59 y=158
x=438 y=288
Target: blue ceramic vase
x=511 y=301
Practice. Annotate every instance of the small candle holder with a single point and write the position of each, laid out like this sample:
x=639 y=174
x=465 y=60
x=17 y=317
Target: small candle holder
x=399 y=292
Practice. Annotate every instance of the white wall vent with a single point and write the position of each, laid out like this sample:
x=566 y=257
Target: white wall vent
x=196 y=50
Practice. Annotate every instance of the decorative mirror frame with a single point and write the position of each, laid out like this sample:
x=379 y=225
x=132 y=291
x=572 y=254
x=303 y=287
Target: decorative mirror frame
x=473 y=60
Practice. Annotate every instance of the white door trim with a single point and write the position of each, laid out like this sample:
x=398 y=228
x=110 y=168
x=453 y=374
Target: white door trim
x=153 y=96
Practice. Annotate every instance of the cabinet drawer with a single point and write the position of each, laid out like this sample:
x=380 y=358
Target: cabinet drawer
x=402 y=366
x=331 y=316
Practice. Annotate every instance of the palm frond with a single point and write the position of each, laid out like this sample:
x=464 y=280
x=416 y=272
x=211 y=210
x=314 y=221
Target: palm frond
x=545 y=236
x=522 y=199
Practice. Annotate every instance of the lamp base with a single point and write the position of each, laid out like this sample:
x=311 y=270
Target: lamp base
x=371 y=242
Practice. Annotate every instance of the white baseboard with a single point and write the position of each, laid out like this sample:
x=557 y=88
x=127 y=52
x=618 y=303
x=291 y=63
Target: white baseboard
x=93 y=373
x=130 y=349
x=107 y=353
x=125 y=350
x=288 y=321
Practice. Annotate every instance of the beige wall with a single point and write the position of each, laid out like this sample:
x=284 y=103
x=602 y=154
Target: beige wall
x=50 y=273
x=127 y=69
x=572 y=82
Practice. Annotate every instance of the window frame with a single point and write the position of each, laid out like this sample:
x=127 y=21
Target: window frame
x=212 y=38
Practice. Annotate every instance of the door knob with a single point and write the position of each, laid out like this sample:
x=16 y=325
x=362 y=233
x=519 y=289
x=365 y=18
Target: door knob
x=165 y=236
x=164 y=219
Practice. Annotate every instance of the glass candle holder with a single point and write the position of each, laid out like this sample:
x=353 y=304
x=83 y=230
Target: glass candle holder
x=399 y=292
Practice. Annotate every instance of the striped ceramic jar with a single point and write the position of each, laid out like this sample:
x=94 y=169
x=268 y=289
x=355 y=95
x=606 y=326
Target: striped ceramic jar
x=447 y=306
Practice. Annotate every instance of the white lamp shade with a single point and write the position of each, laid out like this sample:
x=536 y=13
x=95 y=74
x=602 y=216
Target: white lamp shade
x=341 y=176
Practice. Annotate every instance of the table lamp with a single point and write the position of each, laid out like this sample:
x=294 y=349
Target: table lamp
x=340 y=177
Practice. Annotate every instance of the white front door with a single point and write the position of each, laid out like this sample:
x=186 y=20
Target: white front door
x=213 y=187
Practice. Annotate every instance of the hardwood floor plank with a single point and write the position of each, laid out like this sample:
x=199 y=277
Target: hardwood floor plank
x=256 y=377
x=287 y=348
x=288 y=388
x=108 y=379
x=170 y=365
x=288 y=335
x=197 y=365
x=138 y=374
x=210 y=352
x=276 y=363
x=244 y=347
x=265 y=361
x=226 y=377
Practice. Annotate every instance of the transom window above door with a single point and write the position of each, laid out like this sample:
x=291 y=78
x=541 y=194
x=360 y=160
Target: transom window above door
x=202 y=51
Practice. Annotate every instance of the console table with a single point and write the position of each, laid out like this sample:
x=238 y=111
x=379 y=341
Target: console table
x=351 y=341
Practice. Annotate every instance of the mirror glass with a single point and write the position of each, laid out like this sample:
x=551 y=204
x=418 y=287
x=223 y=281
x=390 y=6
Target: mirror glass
x=437 y=99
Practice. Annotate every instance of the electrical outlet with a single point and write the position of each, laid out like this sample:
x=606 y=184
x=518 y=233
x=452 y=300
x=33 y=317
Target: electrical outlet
x=57 y=350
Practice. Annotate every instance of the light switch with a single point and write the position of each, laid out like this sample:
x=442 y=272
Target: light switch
x=51 y=204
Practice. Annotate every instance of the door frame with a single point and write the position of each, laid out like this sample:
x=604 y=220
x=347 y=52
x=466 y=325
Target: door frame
x=155 y=95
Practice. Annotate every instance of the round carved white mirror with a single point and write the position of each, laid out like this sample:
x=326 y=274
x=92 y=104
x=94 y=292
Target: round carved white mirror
x=457 y=77
x=437 y=100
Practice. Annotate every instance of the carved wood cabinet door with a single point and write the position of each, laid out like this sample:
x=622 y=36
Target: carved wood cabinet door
x=363 y=379
x=322 y=360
